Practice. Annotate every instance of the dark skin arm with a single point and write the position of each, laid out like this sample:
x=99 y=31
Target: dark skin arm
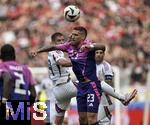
x=33 y=94
x=7 y=86
x=32 y=90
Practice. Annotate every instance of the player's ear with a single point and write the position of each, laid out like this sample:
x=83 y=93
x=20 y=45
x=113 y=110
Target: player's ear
x=82 y=37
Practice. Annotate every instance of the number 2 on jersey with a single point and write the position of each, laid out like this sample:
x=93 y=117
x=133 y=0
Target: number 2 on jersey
x=19 y=81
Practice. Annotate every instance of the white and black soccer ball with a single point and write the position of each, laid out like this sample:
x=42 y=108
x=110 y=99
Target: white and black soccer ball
x=71 y=13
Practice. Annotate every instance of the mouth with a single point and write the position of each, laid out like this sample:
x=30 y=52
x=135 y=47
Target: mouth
x=72 y=40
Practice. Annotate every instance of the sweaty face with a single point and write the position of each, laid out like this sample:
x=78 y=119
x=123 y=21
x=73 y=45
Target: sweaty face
x=99 y=56
x=59 y=40
x=76 y=37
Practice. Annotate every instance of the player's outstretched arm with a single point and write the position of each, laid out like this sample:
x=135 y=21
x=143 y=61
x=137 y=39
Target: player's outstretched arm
x=43 y=49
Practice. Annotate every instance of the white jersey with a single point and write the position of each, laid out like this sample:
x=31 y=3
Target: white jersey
x=104 y=72
x=63 y=89
x=57 y=73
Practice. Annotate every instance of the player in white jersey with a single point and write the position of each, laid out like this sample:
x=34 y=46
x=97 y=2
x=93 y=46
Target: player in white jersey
x=105 y=73
x=63 y=89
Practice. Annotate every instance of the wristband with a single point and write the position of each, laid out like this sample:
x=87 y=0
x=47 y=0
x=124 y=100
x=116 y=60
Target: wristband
x=92 y=46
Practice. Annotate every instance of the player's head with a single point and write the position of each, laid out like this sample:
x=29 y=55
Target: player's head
x=99 y=55
x=57 y=38
x=78 y=35
x=7 y=53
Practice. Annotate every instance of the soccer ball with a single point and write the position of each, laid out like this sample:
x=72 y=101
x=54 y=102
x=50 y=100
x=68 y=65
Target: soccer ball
x=71 y=13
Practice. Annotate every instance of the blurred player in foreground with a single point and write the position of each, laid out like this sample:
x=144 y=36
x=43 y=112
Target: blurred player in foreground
x=82 y=54
x=16 y=81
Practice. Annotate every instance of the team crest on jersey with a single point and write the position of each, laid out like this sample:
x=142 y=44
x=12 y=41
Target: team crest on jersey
x=74 y=54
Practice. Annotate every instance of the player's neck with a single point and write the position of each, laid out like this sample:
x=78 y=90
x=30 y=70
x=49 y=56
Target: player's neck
x=79 y=45
x=98 y=62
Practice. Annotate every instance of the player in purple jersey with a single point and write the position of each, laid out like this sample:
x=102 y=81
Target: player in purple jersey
x=82 y=54
x=126 y=100
x=16 y=81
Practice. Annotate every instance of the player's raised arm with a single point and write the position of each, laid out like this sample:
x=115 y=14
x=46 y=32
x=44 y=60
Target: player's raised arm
x=43 y=49
x=62 y=47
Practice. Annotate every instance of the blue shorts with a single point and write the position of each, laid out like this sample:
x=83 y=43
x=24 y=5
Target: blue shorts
x=88 y=96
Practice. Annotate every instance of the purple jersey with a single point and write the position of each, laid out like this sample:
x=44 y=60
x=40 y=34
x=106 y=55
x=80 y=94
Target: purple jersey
x=21 y=79
x=84 y=65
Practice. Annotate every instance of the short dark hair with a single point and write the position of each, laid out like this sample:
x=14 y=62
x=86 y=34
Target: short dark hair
x=103 y=49
x=81 y=29
x=55 y=35
x=7 y=52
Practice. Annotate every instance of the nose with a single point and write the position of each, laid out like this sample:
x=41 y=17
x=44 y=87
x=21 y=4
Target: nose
x=61 y=42
x=72 y=36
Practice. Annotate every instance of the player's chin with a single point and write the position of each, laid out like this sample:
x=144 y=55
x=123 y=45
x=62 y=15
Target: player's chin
x=73 y=42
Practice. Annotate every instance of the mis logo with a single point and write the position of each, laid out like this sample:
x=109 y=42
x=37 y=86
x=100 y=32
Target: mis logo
x=22 y=110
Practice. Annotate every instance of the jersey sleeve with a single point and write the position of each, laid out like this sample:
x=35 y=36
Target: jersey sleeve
x=107 y=70
x=2 y=70
x=63 y=47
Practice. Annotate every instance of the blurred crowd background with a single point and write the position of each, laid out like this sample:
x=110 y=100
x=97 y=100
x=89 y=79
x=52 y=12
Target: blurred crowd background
x=123 y=25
